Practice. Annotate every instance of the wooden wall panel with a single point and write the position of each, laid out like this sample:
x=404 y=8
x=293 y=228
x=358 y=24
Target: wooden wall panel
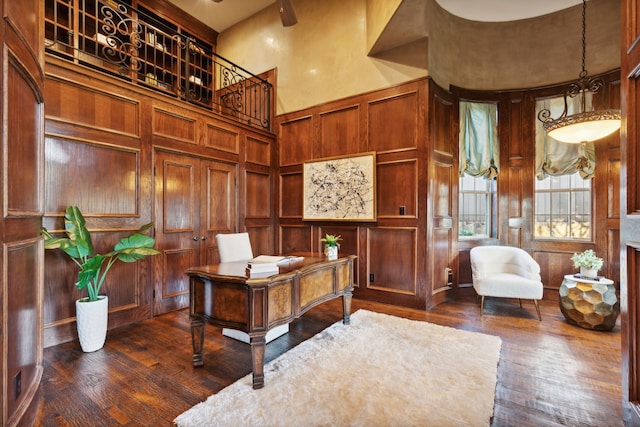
x=76 y=103
x=174 y=124
x=339 y=132
x=553 y=267
x=442 y=115
x=261 y=239
x=24 y=17
x=290 y=195
x=401 y=111
x=24 y=307
x=25 y=108
x=295 y=141
x=295 y=238
x=222 y=138
x=613 y=188
x=397 y=188
x=180 y=199
x=220 y=209
x=174 y=262
x=443 y=185
x=258 y=151
x=391 y=259
x=515 y=221
x=107 y=171
x=257 y=201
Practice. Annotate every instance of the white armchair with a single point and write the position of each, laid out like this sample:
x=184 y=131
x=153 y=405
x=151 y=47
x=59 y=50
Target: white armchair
x=505 y=272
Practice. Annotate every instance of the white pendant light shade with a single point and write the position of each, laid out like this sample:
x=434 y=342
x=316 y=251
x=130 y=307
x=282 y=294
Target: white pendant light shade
x=584 y=127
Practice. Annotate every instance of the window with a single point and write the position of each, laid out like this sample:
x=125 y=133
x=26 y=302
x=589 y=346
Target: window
x=563 y=208
x=475 y=207
x=479 y=166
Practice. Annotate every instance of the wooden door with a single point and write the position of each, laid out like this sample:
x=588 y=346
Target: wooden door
x=218 y=208
x=177 y=228
x=630 y=212
x=194 y=200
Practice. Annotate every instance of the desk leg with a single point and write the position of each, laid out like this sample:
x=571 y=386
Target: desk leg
x=257 y=358
x=346 y=308
x=197 y=339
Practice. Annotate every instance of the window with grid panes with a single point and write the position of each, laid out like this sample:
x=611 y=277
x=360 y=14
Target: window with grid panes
x=475 y=207
x=563 y=208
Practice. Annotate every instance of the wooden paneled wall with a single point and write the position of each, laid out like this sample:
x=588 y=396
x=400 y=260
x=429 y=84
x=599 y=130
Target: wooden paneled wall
x=127 y=156
x=393 y=263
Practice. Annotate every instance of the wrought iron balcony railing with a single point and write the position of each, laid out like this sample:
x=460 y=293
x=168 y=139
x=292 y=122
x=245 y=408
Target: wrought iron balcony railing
x=136 y=45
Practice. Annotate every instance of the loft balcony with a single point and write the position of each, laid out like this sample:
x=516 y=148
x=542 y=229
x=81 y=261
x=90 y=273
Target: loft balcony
x=136 y=45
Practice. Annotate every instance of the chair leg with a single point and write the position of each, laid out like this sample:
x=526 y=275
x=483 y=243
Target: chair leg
x=482 y=306
x=535 y=301
x=520 y=301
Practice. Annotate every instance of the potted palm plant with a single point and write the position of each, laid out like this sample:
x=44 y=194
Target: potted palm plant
x=92 y=310
x=588 y=262
x=331 y=246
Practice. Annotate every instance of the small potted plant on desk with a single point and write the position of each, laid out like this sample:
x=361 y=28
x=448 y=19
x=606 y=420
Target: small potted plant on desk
x=331 y=246
x=588 y=263
x=92 y=311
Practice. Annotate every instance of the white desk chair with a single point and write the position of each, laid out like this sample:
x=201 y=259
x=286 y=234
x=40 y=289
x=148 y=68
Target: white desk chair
x=236 y=247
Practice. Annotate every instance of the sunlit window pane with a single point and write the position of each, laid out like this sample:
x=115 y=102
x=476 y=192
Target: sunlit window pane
x=563 y=208
x=474 y=206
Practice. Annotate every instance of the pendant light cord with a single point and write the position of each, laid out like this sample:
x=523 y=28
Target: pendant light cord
x=583 y=74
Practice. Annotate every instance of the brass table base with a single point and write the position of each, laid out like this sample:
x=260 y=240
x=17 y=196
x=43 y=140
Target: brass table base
x=589 y=304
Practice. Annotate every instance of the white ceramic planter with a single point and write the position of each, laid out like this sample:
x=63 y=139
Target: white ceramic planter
x=331 y=252
x=588 y=272
x=92 y=318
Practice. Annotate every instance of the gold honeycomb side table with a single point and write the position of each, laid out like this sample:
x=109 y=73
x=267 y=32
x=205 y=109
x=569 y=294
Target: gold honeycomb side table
x=590 y=304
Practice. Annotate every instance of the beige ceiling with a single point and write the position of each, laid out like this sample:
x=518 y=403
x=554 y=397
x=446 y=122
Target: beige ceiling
x=222 y=15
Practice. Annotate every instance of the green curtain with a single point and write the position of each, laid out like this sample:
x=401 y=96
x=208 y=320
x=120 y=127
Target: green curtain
x=479 y=148
x=554 y=158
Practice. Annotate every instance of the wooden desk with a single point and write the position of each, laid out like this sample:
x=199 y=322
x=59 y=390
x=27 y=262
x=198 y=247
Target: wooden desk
x=224 y=296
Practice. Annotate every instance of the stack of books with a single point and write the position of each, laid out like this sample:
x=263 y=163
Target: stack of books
x=264 y=266
x=268 y=265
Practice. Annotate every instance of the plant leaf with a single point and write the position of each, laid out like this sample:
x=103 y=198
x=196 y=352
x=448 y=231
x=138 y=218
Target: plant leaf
x=51 y=242
x=89 y=271
x=77 y=232
x=135 y=247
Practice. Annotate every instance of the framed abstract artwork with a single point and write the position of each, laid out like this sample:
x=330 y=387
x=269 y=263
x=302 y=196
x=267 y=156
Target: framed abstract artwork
x=340 y=188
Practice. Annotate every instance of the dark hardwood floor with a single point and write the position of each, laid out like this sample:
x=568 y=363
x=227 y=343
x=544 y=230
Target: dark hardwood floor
x=550 y=373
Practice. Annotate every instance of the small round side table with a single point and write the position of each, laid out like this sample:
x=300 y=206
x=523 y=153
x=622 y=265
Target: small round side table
x=590 y=304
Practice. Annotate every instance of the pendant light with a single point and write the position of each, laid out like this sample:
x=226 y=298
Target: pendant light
x=583 y=126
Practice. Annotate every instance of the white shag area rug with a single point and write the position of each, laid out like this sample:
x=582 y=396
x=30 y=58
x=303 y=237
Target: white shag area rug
x=379 y=371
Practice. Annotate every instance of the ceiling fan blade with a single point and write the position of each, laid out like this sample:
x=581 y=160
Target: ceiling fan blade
x=287 y=14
